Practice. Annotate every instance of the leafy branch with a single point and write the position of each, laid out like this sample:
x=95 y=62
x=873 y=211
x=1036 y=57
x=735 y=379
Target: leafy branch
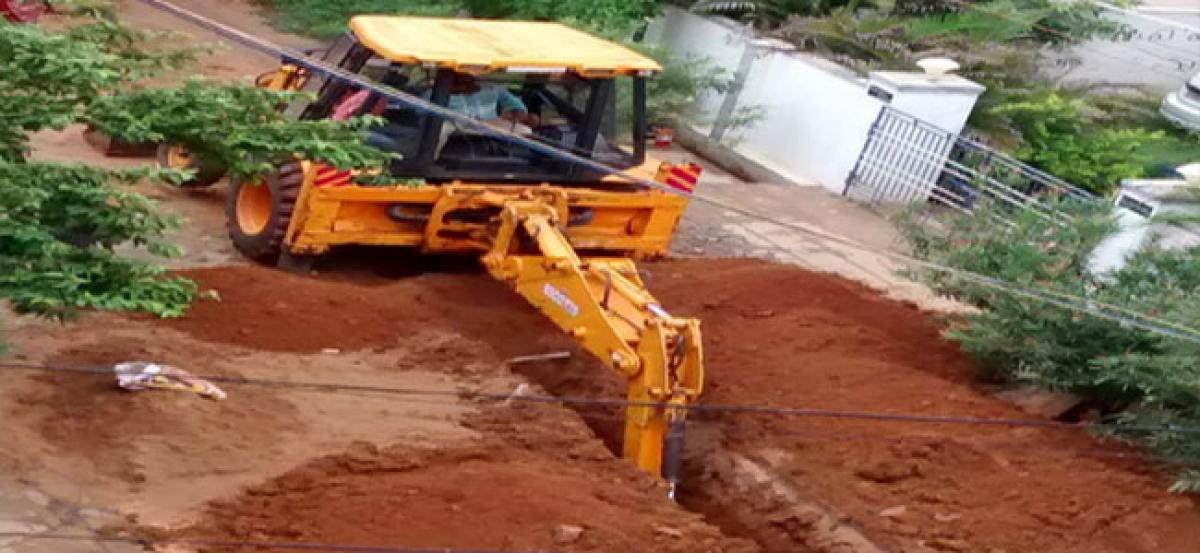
x=59 y=225
x=237 y=126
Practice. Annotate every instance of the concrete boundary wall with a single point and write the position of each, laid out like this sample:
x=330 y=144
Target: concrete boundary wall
x=818 y=114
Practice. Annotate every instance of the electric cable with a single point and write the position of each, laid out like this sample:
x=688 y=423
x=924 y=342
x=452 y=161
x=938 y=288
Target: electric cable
x=615 y=402
x=1084 y=305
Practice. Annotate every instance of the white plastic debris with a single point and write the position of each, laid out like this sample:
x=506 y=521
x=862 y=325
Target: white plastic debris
x=140 y=375
x=521 y=390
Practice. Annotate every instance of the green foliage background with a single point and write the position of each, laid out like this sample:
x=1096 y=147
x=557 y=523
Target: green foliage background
x=671 y=93
x=62 y=225
x=1137 y=378
x=237 y=126
x=328 y=19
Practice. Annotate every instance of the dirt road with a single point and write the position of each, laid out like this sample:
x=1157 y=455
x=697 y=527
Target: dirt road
x=775 y=335
x=287 y=465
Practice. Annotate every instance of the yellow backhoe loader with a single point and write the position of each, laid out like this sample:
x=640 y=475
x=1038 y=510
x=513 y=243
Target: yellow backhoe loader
x=563 y=235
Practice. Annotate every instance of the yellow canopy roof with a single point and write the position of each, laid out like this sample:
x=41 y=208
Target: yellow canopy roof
x=480 y=45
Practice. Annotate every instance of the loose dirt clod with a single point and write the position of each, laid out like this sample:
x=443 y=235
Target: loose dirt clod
x=567 y=533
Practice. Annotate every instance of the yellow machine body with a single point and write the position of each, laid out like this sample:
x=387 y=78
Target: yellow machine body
x=566 y=248
x=530 y=237
x=447 y=218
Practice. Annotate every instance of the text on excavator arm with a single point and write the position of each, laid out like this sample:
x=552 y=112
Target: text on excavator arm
x=603 y=303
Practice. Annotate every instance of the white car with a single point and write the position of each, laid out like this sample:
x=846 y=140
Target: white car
x=1183 y=105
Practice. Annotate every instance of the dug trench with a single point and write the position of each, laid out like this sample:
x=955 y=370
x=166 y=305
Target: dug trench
x=779 y=336
x=774 y=336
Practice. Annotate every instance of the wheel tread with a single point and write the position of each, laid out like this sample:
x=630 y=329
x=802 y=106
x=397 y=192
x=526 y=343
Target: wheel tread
x=285 y=184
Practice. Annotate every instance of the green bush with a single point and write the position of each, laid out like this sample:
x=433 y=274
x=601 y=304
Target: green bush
x=996 y=21
x=237 y=126
x=1062 y=136
x=58 y=227
x=1136 y=377
x=60 y=224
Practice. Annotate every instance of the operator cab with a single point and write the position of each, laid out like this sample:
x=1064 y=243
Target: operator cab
x=544 y=81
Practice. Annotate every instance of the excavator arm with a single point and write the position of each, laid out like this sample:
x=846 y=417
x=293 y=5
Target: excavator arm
x=603 y=303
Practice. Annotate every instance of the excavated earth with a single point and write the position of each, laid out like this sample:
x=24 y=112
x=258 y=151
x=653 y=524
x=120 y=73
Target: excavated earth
x=271 y=464
x=370 y=469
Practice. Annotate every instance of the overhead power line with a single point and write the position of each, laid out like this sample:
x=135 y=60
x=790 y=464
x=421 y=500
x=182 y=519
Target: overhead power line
x=1086 y=306
x=1056 y=450
x=336 y=387
x=1066 y=301
x=436 y=397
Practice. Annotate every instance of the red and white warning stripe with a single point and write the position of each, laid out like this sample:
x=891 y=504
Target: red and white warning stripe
x=328 y=175
x=682 y=176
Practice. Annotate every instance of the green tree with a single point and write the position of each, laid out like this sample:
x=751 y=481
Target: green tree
x=59 y=224
x=62 y=225
x=238 y=127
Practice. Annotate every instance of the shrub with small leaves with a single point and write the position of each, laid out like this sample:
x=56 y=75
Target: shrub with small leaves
x=1136 y=377
x=61 y=225
x=237 y=126
x=1060 y=135
x=58 y=227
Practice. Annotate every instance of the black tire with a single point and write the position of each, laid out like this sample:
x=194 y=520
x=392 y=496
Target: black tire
x=207 y=172
x=257 y=234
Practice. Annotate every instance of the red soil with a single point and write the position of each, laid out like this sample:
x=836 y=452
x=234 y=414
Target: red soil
x=273 y=310
x=776 y=335
x=535 y=473
x=780 y=336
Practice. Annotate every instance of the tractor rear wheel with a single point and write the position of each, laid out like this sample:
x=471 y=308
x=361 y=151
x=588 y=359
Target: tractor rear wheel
x=176 y=156
x=258 y=211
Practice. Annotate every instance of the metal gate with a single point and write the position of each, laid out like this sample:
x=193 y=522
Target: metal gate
x=907 y=160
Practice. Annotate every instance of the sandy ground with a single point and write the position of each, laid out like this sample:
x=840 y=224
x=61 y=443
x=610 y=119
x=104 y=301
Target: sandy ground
x=775 y=335
x=286 y=465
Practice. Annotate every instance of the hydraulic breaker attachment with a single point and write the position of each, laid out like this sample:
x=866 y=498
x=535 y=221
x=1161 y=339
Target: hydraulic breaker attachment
x=603 y=304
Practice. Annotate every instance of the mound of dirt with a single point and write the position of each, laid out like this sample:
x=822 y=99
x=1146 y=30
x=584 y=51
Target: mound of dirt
x=774 y=335
x=780 y=336
x=159 y=454
x=273 y=310
x=536 y=483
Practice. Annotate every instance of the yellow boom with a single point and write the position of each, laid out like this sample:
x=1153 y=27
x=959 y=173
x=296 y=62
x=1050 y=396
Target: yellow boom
x=602 y=303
